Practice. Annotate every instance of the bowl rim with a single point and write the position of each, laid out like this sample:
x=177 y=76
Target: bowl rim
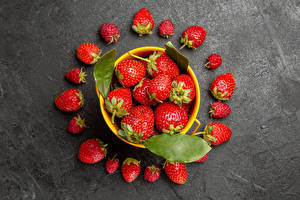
x=196 y=105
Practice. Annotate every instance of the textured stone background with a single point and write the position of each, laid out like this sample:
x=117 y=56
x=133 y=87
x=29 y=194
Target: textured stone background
x=259 y=42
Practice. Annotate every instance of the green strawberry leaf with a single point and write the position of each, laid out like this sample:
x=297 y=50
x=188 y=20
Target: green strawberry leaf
x=179 y=147
x=103 y=72
x=182 y=61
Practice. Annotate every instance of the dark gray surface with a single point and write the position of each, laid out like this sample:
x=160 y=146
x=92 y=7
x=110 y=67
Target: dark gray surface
x=259 y=43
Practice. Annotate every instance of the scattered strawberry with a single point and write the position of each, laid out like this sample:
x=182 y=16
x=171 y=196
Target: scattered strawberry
x=222 y=87
x=76 y=125
x=69 y=100
x=203 y=159
x=118 y=102
x=151 y=173
x=183 y=90
x=143 y=22
x=160 y=63
x=88 y=53
x=112 y=164
x=140 y=92
x=176 y=171
x=130 y=72
x=170 y=118
x=138 y=125
x=160 y=88
x=219 y=110
x=76 y=76
x=92 y=151
x=166 y=29
x=130 y=169
x=110 y=33
x=193 y=37
x=214 y=61
x=216 y=133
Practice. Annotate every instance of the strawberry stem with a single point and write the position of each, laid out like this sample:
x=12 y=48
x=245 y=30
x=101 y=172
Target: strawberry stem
x=182 y=46
x=202 y=132
x=138 y=57
x=113 y=116
x=207 y=64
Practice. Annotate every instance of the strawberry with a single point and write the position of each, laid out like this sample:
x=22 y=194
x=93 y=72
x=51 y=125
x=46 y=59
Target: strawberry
x=140 y=92
x=69 y=100
x=214 y=61
x=193 y=37
x=76 y=76
x=166 y=29
x=76 y=125
x=138 y=125
x=130 y=72
x=118 y=102
x=130 y=169
x=112 y=164
x=187 y=107
x=160 y=88
x=143 y=22
x=88 y=53
x=222 y=87
x=219 y=110
x=183 y=90
x=110 y=33
x=151 y=173
x=176 y=171
x=216 y=133
x=92 y=151
x=203 y=159
x=160 y=63
x=170 y=118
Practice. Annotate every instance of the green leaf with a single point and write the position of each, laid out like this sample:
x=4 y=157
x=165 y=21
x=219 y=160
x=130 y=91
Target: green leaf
x=179 y=147
x=182 y=61
x=103 y=72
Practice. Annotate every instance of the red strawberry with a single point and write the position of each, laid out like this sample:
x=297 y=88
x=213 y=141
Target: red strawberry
x=170 y=118
x=76 y=125
x=151 y=173
x=69 y=100
x=203 y=159
x=88 y=53
x=112 y=164
x=222 y=87
x=110 y=33
x=92 y=151
x=166 y=29
x=176 y=171
x=187 y=107
x=138 y=125
x=160 y=63
x=216 y=133
x=76 y=76
x=219 y=110
x=130 y=72
x=160 y=88
x=130 y=169
x=143 y=22
x=140 y=92
x=118 y=102
x=183 y=90
x=214 y=61
x=193 y=37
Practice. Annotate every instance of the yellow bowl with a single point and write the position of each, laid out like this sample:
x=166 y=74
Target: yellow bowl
x=145 y=51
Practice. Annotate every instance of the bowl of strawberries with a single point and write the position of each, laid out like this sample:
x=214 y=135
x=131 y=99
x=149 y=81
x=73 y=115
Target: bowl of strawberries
x=152 y=91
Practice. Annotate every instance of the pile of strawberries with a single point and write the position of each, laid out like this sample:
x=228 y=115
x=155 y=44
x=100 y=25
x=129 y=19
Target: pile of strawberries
x=151 y=97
